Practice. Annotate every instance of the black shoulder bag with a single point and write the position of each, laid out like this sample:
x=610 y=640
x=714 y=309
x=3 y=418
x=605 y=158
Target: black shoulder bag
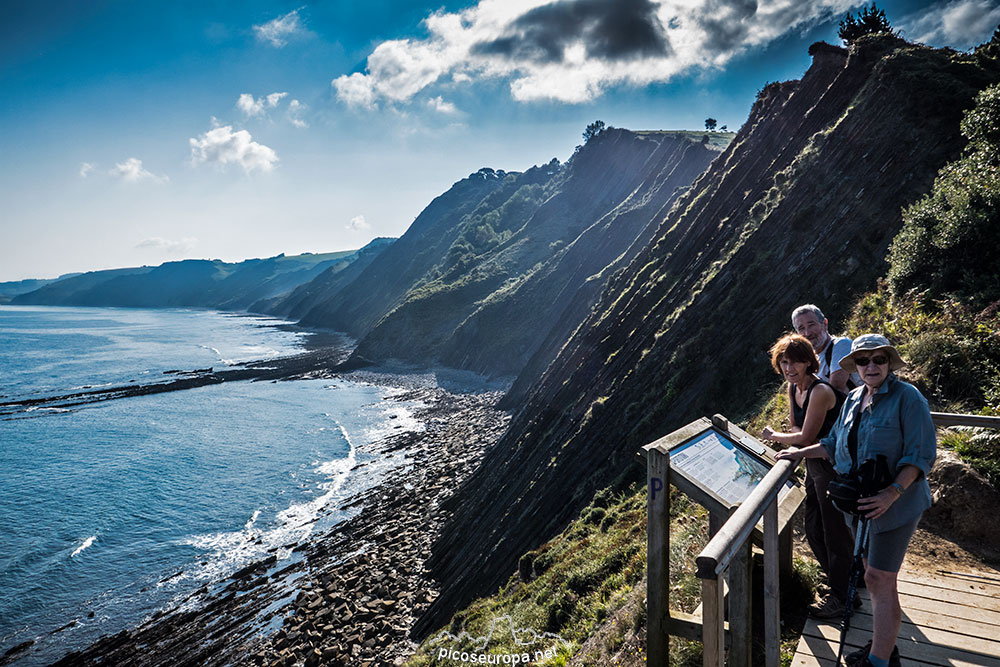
x=863 y=481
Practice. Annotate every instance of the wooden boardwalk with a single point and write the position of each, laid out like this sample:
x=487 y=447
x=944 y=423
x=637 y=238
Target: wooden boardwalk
x=949 y=618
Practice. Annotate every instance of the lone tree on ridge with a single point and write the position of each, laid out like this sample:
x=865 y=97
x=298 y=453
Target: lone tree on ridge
x=710 y=124
x=869 y=21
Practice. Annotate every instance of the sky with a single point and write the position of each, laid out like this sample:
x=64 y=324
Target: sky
x=134 y=133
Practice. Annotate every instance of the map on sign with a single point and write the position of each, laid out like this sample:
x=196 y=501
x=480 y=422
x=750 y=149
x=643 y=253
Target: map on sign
x=720 y=465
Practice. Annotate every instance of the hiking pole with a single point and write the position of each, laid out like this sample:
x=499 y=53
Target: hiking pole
x=857 y=567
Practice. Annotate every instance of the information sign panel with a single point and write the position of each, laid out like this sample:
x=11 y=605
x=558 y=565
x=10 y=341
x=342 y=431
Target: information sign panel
x=722 y=465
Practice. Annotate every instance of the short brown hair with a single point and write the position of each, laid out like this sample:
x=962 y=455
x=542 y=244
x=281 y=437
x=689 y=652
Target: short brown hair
x=797 y=348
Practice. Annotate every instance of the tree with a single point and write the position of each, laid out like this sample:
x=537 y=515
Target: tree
x=593 y=130
x=948 y=242
x=990 y=49
x=869 y=21
x=710 y=124
x=724 y=128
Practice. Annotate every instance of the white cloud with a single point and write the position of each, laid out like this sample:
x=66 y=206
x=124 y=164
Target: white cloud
x=86 y=168
x=960 y=24
x=222 y=146
x=277 y=31
x=357 y=90
x=295 y=111
x=132 y=171
x=357 y=224
x=168 y=246
x=252 y=107
x=572 y=51
x=441 y=106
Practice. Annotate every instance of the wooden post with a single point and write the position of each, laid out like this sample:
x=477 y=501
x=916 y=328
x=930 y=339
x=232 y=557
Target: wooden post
x=740 y=606
x=657 y=557
x=772 y=590
x=784 y=550
x=713 y=629
x=715 y=523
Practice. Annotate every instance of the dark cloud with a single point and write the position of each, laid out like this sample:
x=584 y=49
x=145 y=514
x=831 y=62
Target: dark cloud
x=726 y=23
x=610 y=29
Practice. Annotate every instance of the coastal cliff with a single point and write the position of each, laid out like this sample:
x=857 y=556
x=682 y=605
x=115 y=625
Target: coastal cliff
x=499 y=249
x=802 y=206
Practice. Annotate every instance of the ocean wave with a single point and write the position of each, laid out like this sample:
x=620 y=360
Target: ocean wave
x=86 y=543
x=91 y=386
x=397 y=418
x=230 y=550
x=337 y=472
x=248 y=352
x=217 y=353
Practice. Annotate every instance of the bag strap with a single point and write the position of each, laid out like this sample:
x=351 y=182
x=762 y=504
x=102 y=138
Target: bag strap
x=853 y=451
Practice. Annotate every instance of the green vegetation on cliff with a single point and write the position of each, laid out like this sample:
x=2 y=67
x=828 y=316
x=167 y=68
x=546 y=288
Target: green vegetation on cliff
x=802 y=206
x=947 y=247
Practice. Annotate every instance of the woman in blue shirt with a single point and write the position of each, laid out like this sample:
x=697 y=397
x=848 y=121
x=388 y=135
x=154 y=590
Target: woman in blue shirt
x=888 y=417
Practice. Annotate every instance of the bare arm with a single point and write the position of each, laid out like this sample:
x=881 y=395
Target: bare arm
x=821 y=400
x=816 y=451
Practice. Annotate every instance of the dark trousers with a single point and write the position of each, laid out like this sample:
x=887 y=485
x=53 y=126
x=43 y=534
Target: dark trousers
x=828 y=534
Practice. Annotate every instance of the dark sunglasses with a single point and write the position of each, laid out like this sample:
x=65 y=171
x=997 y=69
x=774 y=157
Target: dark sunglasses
x=864 y=361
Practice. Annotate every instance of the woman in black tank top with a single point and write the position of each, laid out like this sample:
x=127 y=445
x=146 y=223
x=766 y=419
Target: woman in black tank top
x=813 y=404
x=813 y=408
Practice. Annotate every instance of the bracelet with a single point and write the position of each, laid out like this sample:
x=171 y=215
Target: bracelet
x=898 y=487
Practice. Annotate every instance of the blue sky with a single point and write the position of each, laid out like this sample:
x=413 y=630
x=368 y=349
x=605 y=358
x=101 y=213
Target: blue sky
x=139 y=132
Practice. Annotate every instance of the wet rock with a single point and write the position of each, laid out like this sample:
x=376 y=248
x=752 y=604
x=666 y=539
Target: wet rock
x=20 y=648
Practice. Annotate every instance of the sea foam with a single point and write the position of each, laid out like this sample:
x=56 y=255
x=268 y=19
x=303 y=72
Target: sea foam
x=86 y=543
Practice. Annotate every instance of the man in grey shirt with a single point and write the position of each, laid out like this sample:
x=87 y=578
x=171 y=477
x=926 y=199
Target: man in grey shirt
x=828 y=535
x=808 y=321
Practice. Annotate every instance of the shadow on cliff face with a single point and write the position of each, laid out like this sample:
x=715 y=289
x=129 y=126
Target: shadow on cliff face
x=801 y=207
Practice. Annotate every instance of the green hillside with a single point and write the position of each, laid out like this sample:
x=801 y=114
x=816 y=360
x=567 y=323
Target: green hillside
x=188 y=283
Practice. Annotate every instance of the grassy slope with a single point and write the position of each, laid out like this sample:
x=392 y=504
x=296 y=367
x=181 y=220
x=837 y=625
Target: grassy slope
x=573 y=583
x=587 y=585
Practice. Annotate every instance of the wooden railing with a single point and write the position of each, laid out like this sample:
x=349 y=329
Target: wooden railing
x=729 y=550
x=663 y=622
x=946 y=419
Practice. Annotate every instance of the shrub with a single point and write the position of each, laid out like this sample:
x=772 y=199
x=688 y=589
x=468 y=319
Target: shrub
x=524 y=566
x=979 y=447
x=948 y=238
x=559 y=610
x=595 y=516
x=541 y=563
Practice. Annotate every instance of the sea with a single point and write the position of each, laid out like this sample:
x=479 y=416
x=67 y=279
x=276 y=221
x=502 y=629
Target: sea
x=114 y=510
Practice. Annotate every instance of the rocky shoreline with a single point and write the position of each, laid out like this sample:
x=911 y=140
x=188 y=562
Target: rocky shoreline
x=312 y=363
x=347 y=597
